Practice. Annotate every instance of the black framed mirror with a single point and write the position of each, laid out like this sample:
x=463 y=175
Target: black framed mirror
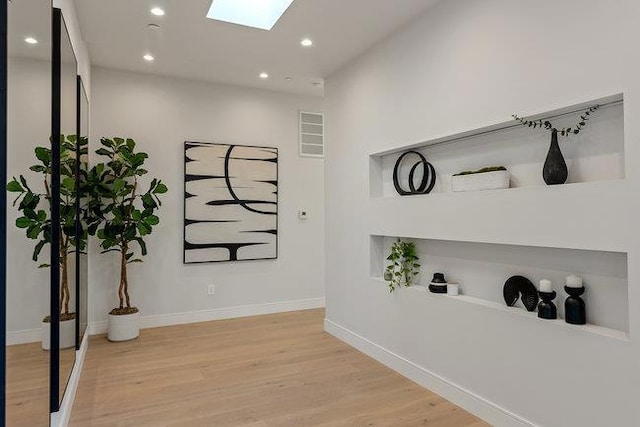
x=82 y=163
x=28 y=119
x=64 y=210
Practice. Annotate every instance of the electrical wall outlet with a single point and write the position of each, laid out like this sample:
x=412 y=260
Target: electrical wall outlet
x=211 y=290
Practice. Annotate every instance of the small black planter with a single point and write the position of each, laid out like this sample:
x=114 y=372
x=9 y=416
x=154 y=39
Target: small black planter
x=555 y=169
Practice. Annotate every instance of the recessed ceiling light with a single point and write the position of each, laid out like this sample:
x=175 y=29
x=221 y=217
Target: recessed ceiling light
x=264 y=76
x=153 y=26
x=306 y=42
x=288 y=78
x=31 y=40
x=148 y=57
x=157 y=11
x=261 y=14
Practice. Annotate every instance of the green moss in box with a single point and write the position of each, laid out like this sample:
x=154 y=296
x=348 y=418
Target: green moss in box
x=483 y=170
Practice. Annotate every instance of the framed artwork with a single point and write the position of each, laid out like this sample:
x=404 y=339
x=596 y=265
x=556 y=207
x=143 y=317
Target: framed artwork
x=230 y=202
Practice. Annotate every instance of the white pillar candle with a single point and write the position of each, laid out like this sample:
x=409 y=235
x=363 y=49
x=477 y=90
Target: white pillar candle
x=545 y=286
x=574 y=281
x=453 y=289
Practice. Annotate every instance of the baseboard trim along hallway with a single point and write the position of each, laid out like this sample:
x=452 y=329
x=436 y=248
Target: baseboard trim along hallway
x=156 y=321
x=477 y=405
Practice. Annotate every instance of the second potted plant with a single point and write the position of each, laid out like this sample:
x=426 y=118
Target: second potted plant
x=123 y=215
x=404 y=265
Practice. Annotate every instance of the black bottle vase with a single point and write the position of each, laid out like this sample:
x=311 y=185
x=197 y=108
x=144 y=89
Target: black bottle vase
x=555 y=168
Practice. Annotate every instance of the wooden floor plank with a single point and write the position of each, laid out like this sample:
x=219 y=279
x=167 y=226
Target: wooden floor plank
x=280 y=370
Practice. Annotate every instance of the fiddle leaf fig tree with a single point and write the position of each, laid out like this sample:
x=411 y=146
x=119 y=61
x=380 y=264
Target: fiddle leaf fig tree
x=404 y=266
x=34 y=204
x=122 y=212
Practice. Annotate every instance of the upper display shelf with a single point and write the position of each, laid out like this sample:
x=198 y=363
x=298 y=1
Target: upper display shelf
x=509 y=123
x=528 y=153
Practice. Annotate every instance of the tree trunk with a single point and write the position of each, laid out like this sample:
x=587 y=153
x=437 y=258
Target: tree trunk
x=64 y=284
x=123 y=261
x=123 y=277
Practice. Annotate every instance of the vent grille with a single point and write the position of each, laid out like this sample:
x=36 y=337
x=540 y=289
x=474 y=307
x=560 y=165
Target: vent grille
x=311 y=134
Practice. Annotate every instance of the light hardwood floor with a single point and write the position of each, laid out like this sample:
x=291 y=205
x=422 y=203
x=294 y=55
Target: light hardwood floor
x=275 y=370
x=27 y=389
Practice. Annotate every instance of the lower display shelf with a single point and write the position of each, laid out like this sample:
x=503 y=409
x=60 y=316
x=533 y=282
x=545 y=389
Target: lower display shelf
x=593 y=329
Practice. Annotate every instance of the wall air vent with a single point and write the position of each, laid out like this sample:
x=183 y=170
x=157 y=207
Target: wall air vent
x=311 y=134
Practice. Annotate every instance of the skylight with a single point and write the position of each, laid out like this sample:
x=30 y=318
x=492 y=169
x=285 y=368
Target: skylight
x=261 y=14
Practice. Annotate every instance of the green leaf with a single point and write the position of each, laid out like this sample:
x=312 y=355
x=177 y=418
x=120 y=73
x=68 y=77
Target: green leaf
x=118 y=185
x=69 y=183
x=14 y=186
x=160 y=189
x=152 y=220
x=38 y=168
x=143 y=228
x=43 y=154
x=143 y=246
x=23 y=222
x=38 y=249
x=103 y=152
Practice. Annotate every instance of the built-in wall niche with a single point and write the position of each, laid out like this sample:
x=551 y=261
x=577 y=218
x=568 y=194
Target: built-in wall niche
x=596 y=154
x=482 y=269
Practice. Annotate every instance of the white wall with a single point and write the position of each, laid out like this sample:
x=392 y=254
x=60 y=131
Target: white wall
x=160 y=114
x=463 y=65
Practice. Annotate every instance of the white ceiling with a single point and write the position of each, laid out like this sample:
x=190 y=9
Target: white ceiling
x=189 y=45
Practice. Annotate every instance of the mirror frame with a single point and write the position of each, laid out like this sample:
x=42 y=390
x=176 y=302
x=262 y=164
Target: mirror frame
x=3 y=203
x=59 y=30
x=54 y=299
x=81 y=93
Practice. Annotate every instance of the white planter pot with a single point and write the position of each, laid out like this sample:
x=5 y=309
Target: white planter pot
x=67 y=334
x=481 y=181
x=124 y=327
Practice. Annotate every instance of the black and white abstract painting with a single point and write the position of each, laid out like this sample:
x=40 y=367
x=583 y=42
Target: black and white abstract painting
x=231 y=203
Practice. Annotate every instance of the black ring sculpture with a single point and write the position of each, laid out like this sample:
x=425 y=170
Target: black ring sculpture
x=428 y=176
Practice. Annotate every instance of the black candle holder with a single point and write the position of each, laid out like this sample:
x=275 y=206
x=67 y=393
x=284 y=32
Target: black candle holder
x=575 y=311
x=547 y=309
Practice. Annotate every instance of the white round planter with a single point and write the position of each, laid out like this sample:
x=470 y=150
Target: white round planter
x=67 y=334
x=124 y=327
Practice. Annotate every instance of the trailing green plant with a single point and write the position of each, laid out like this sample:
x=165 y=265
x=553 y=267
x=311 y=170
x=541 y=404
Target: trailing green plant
x=35 y=207
x=121 y=214
x=404 y=265
x=483 y=170
x=547 y=125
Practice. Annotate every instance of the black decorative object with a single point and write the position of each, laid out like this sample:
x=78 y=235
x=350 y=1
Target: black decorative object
x=575 y=311
x=520 y=287
x=555 y=168
x=547 y=309
x=428 y=176
x=438 y=284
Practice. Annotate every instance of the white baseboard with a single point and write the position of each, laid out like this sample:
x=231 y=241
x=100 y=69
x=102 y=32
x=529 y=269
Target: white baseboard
x=62 y=417
x=172 y=319
x=477 y=405
x=24 y=337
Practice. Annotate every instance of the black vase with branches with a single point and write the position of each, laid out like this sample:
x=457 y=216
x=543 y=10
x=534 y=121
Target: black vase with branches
x=555 y=169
